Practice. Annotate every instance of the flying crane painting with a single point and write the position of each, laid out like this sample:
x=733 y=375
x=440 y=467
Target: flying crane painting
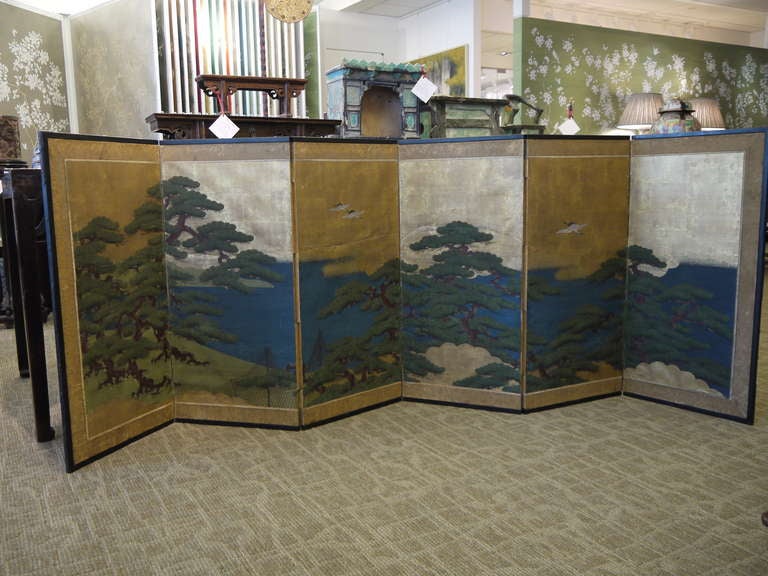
x=571 y=228
x=576 y=274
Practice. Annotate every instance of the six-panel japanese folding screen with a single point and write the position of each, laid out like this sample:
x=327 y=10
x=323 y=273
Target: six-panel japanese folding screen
x=285 y=282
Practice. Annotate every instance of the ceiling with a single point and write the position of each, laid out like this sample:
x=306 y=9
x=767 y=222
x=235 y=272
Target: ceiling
x=758 y=5
x=744 y=13
x=735 y=19
x=392 y=8
x=736 y=15
x=60 y=6
x=749 y=13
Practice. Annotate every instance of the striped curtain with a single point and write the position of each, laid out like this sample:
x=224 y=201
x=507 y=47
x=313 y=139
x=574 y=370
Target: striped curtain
x=236 y=37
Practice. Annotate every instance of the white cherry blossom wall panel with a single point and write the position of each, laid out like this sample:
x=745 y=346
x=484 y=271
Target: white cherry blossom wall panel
x=32 y=83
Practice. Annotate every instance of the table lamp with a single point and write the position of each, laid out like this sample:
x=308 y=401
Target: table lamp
x=641 y=111
x=707 y=112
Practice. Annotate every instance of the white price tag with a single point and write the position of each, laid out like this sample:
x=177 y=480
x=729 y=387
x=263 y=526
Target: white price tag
x=424 y=89
x=569 y=127
x=223 y=127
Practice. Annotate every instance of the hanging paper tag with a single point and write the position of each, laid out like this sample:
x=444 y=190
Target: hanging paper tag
x=569 y=127
x=223 y=127
x=424 y=89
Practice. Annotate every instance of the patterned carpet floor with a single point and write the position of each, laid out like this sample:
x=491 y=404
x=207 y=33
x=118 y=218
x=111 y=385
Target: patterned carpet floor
x=612 y=487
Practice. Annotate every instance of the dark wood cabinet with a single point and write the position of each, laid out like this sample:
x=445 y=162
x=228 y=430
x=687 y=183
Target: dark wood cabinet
x=25 y=255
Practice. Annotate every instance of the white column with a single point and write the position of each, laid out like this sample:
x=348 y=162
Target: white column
x=476 y=51
x=69 y=75
x=156 y=60
x=521 y=8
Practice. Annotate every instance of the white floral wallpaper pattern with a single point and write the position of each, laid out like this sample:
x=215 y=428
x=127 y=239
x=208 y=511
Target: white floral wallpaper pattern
x=32 y=73
x=597 y=68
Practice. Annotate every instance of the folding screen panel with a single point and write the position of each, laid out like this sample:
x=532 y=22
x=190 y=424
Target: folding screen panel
x=286 y=282
x=695 y=270
x=105 y=236
x=346 y=220
x=229 y=254
x=576 y=235
x=461 y=213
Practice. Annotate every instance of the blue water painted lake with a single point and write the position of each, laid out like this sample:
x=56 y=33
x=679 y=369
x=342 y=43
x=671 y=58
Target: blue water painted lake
x=261 y=319
x=721 y=283
x=317 y=292
x=546 y=315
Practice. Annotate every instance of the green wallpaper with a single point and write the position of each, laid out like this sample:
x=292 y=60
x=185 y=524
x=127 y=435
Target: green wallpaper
x=32 y=73
x=311 y=66
x=597 y=68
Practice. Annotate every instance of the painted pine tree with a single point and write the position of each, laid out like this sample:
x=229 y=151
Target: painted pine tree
x=122 y=306
x=97 y=289
x=589 y=337
x=672 y=323
x=459 y=299
x=194 y=312
x=372 y=358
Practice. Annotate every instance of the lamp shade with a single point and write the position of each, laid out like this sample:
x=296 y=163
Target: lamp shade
x=641 y=111
x=707 y=112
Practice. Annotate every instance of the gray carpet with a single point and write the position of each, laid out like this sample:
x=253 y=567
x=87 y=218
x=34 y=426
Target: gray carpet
x=611 y=487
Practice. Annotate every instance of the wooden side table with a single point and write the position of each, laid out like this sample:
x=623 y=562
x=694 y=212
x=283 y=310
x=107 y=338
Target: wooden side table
x=221 y=87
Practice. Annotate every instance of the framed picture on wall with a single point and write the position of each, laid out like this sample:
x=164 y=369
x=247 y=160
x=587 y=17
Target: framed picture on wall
x=447 y=70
